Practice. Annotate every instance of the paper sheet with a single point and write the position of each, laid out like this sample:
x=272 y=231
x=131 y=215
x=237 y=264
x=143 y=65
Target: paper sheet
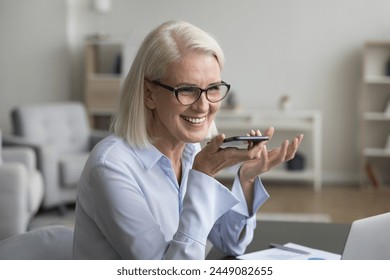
x=279 y=254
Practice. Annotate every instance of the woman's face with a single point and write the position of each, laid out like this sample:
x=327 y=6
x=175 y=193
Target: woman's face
x=176 y=123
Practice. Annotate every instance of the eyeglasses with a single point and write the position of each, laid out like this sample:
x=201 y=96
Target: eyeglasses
x=188 y=95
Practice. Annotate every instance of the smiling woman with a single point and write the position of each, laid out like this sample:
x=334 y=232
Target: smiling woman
x=194 y=68
x=148 y=191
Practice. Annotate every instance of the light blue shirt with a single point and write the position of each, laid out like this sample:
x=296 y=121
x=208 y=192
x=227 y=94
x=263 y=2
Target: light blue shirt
x=130 y=206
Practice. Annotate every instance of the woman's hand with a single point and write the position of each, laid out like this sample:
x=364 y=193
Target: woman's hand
x=212 y=159
x=255 y=160
x=250 y=169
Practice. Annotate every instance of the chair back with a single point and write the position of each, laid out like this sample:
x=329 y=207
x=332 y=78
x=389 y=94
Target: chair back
x=63 y=124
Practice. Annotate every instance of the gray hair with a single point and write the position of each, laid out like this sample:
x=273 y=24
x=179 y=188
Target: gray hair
x=162 y=46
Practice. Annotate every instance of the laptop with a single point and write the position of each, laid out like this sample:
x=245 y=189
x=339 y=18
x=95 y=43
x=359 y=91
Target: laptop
x=369 y=239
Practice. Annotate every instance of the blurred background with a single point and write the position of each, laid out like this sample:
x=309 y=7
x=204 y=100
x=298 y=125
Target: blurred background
x=310 y=52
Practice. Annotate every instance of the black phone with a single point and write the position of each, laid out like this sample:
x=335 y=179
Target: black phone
x=241 y=141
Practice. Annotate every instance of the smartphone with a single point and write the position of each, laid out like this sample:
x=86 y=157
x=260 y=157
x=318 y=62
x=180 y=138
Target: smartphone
x=241 y=141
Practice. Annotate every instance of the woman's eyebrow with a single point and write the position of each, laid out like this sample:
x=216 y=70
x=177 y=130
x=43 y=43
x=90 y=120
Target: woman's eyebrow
x=216 y=83
x=196 y=85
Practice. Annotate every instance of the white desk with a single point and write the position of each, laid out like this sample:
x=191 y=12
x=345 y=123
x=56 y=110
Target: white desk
x=287 y=124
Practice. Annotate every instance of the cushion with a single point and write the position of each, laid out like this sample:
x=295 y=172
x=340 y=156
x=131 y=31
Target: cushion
x=36 y=191
x=71 y=167
x=46 y=243
x=62 y=124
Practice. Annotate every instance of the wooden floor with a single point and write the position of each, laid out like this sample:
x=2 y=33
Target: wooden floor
x=343 y=203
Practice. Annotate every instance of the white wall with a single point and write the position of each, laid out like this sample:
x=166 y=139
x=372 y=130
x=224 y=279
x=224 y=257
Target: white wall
x=309 y=49
x=34 y=64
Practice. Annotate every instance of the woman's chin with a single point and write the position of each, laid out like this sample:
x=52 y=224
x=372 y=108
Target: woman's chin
x=196 y=138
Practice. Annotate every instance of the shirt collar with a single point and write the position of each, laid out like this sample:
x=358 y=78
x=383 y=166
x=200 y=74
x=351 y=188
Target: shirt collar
x=149 y=156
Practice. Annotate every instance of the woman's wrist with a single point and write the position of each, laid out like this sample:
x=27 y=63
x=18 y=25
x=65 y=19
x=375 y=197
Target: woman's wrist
x=244 y=179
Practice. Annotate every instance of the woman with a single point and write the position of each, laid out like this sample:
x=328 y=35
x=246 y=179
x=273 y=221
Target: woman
x=148 y=191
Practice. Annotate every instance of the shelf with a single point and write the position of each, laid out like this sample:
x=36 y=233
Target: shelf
x=384 y=80
x=278 y=125
x=102 y=93
x=378 y=44
x=375 y=111
x=279 y=175
x=103 y=78
x=376 y=116
x=280 y=120
x=284 y=175
x=232 y=122
x=274 y=114
x=376 y=152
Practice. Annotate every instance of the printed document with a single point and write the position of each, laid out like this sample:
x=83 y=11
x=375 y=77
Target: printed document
x=279 y=254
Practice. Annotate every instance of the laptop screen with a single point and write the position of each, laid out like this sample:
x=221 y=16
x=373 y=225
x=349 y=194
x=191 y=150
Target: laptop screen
x=369 y=239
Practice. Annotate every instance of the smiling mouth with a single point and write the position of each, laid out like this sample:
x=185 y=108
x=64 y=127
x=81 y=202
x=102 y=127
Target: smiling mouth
x=194 y=120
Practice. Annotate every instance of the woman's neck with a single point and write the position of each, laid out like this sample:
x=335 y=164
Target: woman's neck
x=174 y=153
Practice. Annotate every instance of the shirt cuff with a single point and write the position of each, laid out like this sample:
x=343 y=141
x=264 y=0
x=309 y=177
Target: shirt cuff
x=260 y=196
x=205 y=201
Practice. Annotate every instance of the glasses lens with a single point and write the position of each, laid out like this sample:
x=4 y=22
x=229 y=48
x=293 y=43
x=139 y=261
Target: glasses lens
x=188 y=95
x=217 y=92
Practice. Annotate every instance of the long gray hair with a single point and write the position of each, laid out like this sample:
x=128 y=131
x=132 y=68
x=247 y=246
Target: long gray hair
x=162 y=46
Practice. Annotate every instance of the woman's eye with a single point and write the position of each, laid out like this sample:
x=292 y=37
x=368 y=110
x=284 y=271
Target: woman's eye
x=187 y=90
x=214 y=88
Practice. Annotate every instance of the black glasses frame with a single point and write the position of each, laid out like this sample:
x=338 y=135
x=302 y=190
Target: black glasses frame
x=175 y=91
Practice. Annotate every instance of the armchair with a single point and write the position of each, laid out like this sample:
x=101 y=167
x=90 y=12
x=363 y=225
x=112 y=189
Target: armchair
x=46 y=243
x=21 y=189
x=62 y=139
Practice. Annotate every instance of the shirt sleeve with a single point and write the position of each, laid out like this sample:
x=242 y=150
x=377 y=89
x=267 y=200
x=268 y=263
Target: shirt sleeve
x=233 y=231
x=206 y=200
x=116 y=202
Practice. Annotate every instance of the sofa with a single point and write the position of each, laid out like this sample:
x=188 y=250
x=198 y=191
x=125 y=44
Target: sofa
x=21 y=189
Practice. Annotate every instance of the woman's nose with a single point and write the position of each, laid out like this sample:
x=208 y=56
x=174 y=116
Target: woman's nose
x=202 y=104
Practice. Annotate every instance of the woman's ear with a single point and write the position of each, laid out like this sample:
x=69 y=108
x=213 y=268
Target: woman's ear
x=149 y=96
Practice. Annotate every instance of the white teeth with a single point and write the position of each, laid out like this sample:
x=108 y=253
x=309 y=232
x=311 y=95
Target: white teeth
x=195 y=120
